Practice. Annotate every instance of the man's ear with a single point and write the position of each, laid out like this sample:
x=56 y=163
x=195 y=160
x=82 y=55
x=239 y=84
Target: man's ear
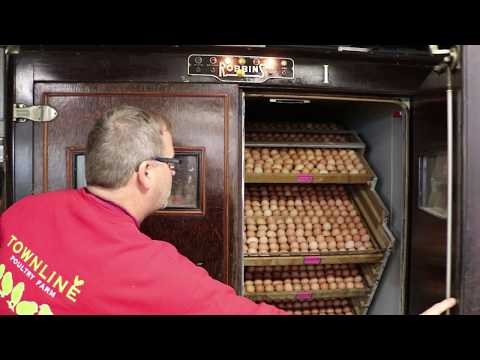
x=144 y=176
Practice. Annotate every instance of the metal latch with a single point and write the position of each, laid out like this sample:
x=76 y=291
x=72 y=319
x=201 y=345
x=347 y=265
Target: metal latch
x=38 y=113
x=290 y=101
x=353 y=49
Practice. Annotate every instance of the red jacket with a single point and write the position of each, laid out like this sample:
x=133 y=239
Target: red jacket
x=70 y=252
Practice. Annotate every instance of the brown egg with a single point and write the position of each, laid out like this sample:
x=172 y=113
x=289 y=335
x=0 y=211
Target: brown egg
x=259 y=288
x=365 y=238
x=322 y=245
x=290 y=232
x=297 y=287
x=294 y=245
x=284 y=247
x=274 y=247
x=263 y=248
x=271 y=234
x=263 y=240
x=313 y=245
x=332 y=245
x=269 y=288
x=306 y=287
x=299 y=232
x=282 y=240
x=303 y=246
x=301 y=239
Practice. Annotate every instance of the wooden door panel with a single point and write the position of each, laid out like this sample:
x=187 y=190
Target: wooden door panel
x=202 y=116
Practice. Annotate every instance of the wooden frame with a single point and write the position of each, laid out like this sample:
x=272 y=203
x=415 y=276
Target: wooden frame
x=200 y=211
x=71 y=153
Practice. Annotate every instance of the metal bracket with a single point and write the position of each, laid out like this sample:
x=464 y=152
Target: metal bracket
x=12 y=49
x=37 y=113
x=451 y=59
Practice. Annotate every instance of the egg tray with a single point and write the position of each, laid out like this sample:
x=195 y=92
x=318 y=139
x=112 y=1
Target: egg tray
x=329 y=258
x=368 y=272
x=308 y=178
x=373 y=214
x=323 y=307
x=309 y=295
x=352 y=142
x=292 y=126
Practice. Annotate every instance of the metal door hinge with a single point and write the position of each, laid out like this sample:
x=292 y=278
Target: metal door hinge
x=37 y=113
x=450 y=58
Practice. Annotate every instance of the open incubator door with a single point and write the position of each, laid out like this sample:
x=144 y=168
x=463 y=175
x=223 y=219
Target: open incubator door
x=433 y=206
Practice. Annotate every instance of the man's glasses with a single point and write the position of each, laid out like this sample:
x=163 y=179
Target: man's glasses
x=169 y=161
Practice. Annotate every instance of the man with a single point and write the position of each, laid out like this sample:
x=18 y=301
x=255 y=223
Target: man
x=81 y=251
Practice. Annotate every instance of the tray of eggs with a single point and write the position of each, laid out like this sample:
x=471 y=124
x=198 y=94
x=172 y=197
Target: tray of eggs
x=303 y=220
x=315 y=140
x=317 y=307
x=300 y=165
x=304 y=282
x=291 y=126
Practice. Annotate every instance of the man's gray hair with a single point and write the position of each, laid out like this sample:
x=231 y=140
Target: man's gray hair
x=119 y=141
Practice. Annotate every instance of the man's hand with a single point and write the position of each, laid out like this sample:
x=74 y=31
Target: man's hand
x=441 y=307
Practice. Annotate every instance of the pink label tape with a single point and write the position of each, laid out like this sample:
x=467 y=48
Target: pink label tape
x=304 y=296
x=311 y=260
x=304 y=178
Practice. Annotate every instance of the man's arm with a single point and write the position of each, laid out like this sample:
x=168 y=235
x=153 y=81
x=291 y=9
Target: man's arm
x=441 y=307
x=175 y=285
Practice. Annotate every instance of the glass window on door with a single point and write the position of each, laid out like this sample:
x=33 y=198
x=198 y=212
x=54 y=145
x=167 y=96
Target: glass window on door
x=433 y=184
